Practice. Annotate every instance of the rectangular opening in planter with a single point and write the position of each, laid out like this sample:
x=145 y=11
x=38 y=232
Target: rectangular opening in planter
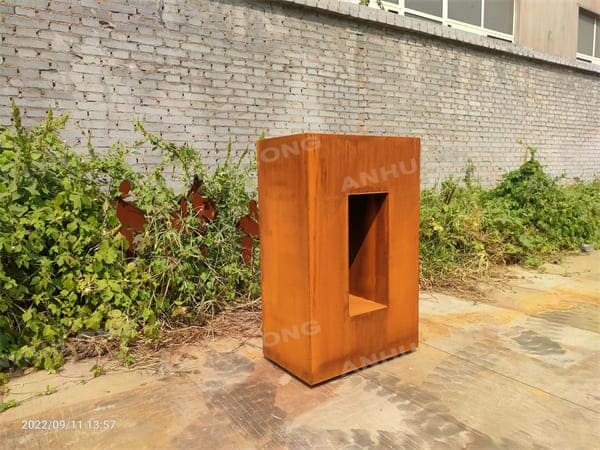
x=367 y=252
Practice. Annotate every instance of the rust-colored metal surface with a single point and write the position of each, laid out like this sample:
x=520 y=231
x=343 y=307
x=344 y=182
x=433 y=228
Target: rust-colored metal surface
x=132 y=218
x=339 y=236
x=202 y=207
x=249 y=226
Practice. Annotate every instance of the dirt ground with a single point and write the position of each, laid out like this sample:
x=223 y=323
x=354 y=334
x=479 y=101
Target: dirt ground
x=520 y=369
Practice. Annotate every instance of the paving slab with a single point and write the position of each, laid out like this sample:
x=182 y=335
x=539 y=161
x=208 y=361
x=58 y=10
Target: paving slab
x=511 y=373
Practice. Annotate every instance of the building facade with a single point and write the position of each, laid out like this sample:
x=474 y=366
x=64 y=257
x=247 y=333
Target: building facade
x=206 y=72
x=568 y=28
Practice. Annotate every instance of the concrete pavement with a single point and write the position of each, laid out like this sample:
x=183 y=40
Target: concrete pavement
x=520 y=370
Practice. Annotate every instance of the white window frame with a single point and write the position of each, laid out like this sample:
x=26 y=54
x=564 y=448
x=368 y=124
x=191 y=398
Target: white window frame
x=582 y=56
x=400 y=8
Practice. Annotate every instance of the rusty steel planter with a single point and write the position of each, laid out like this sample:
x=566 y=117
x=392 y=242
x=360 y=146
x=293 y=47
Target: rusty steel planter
x=339 y=236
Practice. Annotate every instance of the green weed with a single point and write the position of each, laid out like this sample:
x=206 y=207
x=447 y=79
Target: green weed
x=97 y=370
x=527 y=218
x=7 y=405
x=63 y=269
x=63 y=265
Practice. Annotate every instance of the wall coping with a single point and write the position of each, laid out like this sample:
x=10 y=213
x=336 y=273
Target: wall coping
x=378 y=16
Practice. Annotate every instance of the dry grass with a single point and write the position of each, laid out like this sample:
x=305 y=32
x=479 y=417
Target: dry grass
x=241 y=321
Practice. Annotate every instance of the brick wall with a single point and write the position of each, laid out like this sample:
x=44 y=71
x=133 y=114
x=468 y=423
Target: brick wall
x=205 y=71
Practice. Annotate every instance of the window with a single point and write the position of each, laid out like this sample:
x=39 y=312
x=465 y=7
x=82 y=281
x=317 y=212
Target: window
x=433 y=7
x=588 y=37
x=498 y=15
x=468 y=11
x=488 y=17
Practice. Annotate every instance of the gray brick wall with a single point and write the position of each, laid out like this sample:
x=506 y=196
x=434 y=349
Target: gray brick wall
x=206 y=71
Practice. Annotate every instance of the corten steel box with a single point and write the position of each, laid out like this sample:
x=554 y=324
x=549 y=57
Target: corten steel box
x=339 y=241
